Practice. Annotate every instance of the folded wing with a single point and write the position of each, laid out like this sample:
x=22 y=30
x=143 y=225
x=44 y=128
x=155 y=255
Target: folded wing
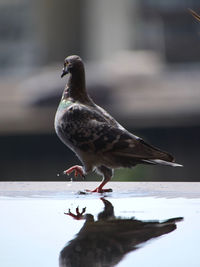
x=90 y=131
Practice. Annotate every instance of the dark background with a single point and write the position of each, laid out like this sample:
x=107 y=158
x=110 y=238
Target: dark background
x=142 y=64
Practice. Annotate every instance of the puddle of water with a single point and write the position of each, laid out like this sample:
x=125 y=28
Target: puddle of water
x=34 y=230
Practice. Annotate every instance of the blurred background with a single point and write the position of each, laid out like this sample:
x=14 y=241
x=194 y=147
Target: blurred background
x=142 y=64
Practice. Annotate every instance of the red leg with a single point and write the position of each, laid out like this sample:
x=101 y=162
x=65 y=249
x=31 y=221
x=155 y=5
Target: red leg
x=78 y=215
x=100 y=189
x=78 y=170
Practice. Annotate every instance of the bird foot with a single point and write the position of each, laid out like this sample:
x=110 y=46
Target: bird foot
x=78 y=170
x=78 y=215
x=99 y=190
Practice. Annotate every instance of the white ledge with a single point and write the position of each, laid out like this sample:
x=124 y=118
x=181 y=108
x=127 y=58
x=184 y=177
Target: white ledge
x=120 y=189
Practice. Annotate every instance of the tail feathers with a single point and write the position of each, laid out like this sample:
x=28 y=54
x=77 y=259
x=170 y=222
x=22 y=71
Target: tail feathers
x=172 y=220
x=163 y=162
x=152 y=152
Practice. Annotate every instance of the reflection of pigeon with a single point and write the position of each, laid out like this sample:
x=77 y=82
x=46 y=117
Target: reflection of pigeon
x=106 y=241
x=99 y=141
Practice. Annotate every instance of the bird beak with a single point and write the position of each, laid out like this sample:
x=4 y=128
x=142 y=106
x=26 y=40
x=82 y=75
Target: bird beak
x=64 y=71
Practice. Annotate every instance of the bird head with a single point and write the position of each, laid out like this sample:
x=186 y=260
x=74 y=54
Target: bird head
x=70 y=64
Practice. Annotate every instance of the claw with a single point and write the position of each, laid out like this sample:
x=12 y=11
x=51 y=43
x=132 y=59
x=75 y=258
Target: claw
x=78 y=215
x=99 y=190
x=77 y=211
x=83 y=210
x=78 y=170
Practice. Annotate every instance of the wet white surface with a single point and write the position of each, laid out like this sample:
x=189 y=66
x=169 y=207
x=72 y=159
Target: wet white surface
x=34 y=228
x=166 y=189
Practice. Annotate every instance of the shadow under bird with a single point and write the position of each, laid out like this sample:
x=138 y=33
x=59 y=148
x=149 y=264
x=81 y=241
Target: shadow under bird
x=107 y=240
x=98 y=140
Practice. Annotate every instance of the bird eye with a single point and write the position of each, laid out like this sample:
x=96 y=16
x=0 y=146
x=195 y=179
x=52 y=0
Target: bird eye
x=66 y=62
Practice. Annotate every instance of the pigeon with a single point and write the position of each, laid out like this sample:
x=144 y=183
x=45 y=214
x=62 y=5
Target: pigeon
x=98 y=140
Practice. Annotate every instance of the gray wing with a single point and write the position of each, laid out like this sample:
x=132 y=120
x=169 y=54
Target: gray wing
x=89 y=130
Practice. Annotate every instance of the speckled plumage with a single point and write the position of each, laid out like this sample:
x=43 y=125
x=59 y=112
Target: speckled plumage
x=98 y=140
